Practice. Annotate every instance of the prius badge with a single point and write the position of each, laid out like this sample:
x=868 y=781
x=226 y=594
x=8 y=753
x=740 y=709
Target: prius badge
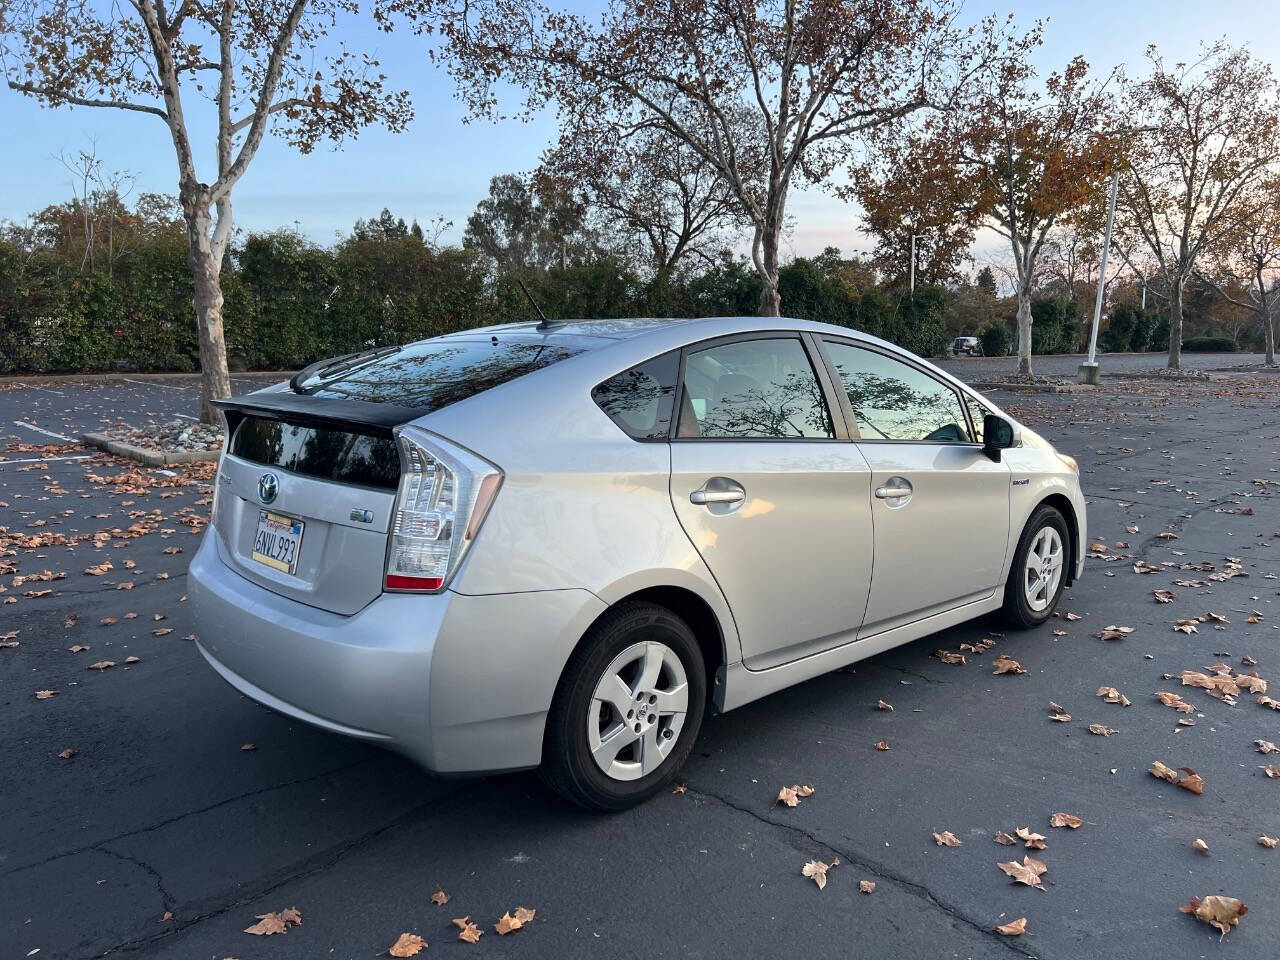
x=268 y=487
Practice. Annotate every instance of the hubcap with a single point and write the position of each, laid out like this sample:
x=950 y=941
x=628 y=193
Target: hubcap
x=637 y=710
x=1044 y=569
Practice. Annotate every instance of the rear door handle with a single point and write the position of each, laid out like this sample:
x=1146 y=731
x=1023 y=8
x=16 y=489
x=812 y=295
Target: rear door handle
x=719 y=490
x=895 y=488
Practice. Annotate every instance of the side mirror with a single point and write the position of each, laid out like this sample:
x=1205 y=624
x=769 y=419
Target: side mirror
x=997 y=434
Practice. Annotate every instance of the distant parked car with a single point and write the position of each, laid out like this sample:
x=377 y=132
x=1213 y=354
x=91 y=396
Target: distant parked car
x=555 y=546
x=966 y=347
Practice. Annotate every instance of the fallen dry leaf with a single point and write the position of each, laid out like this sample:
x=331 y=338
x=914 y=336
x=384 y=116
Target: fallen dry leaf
x=1165 y=596
x=1029 y=871
x=793 y=794
x=946 y=839
x=1065 y=820
x=1265 y=746
x=269 y=923
x=162 y=632
x=816 y=870
x=881 y=705
x=1221 y=913
x=468 y=931
x=1112 y=695
x=68 y=753
x=948 y=656
x=45 y=694
x=867 y=886
x=78 y=647
x=1034 y=841
x=1265 y=701
x=1014 y=928
x=1272 y=771
x=1174 y=700
x=1005 y=664
x=1071 y=617
x=408 y=945
x=1269 y=842
x=1101 y=730
x=440 y=898
x=1251 y=682
x=882 y=744
x=1113 y=632
x=102 y=665
x=1186 y=626
x=1199 y=846
x=1004 y=838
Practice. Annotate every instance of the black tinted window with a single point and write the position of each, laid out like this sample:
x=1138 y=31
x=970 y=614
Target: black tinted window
x=329 y=454
x=753 y=389
x=436 y=373
x=639 y=400
x=894 y=401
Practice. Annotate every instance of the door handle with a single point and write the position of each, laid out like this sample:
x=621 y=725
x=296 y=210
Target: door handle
x=703 y=497
x=720 y=494
x=895 y=489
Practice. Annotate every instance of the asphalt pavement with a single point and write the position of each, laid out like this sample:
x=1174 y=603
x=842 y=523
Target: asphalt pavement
x=166 y=835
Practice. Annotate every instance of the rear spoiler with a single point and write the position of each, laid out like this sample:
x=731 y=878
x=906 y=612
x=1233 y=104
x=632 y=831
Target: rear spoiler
x=356 y=416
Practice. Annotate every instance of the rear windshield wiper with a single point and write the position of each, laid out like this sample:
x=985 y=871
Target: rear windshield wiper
x=336 y=365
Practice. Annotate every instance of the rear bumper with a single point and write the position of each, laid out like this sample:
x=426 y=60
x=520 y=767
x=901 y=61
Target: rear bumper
x=460 y=684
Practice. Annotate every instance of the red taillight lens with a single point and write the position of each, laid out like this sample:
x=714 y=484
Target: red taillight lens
x=444 y=494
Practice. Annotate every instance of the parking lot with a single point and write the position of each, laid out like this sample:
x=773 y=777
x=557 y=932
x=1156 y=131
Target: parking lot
x=186 y=811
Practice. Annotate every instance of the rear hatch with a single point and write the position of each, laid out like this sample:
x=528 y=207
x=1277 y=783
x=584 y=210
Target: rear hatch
x=303 y=510
x=306 y=491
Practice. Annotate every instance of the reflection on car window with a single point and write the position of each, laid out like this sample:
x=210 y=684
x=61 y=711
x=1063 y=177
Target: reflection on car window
x=435 y=373
x=894 y=401
x=639 y=400
x=753 y=389
x=977 y=411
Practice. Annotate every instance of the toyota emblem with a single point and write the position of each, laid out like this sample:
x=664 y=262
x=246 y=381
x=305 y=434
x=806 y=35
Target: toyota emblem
x=268 y=487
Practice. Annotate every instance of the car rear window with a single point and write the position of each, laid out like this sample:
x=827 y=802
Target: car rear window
x=341 y=455
x=435 y=373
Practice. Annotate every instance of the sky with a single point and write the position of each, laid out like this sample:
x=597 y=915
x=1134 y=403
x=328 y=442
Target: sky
x=441 y=166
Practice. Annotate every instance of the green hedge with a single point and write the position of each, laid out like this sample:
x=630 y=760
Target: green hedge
x=1209 y=345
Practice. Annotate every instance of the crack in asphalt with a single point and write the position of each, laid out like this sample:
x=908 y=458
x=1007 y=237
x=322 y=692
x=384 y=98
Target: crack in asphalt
x=100 y=845
x=864 y=664
x=166 y=899
x=913 y=887
x=316 y=864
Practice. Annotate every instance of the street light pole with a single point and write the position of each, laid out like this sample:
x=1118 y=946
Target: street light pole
x=1089 y=372
x=913 y=265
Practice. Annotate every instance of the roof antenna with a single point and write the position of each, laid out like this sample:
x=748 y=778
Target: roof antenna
x=544 y=323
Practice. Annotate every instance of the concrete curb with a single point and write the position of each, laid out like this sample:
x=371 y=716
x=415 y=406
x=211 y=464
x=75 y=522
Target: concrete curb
x=1033 y=387
x=150 y=458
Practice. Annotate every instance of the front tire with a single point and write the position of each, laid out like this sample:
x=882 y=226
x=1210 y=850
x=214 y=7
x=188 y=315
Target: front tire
x=1038 y=574
x=627 y=710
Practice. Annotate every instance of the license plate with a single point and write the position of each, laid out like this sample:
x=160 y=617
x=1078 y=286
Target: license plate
x=278 y=541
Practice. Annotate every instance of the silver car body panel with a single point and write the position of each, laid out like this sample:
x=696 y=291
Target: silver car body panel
x=811 y=573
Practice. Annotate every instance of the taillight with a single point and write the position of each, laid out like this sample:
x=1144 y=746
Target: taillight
x=444 y=494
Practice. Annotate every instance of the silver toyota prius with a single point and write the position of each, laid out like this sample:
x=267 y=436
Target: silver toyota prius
x=557 y=545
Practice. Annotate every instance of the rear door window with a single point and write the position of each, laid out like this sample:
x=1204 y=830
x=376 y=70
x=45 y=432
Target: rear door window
x=436 y=373
x=758 y=389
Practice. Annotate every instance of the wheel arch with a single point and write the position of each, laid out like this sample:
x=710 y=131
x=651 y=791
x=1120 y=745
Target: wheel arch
x=1064 y=506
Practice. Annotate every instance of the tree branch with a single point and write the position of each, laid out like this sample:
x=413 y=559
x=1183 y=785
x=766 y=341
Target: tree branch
x=32 y=90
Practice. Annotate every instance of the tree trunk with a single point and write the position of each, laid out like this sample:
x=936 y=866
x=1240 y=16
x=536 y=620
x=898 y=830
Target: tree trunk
x=1024 y=331
x=1264 y=313
x=215 y=380
x=1175 y=325
x=767 y=266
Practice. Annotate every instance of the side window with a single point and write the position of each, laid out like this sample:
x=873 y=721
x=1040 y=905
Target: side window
x=753 y=390
x=977 y=411
x=639 y=400
x=894 y=401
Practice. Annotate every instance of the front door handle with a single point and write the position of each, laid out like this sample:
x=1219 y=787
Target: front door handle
x=896 y=488
x=721 y=494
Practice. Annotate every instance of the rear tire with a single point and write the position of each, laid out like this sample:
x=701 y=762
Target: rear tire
x=615 y=733
x=1038 y=574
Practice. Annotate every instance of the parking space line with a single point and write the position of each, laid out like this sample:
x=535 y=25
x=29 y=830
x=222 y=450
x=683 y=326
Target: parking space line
x=186 y=416
x=85 y=456
x=163 y=386
x=47 y=433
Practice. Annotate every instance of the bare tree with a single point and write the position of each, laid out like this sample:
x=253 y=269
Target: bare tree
x=1250 y=256
x=644 y=184
x=1210 y=134
x=762 y=92
x=262 y=59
